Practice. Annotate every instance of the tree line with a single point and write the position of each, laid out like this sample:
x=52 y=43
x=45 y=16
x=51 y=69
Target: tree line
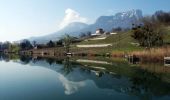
x=151 y=31
x=25 y=44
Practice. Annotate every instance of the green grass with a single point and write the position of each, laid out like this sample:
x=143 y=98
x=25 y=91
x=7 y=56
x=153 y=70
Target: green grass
x=110 y=39
x=167 y=36
x=120 y=41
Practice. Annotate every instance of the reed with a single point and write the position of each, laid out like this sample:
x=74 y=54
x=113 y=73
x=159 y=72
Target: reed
x=118 y=54
x=153 y=54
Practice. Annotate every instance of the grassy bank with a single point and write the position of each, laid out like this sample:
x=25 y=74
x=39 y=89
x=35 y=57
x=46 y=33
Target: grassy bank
x=153 y=54
x=121 y=43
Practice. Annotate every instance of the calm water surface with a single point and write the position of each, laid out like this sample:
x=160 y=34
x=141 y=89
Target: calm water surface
x=28 y=78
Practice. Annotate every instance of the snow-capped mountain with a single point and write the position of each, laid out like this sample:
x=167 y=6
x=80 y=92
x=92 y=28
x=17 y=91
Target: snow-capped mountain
x=123 y=20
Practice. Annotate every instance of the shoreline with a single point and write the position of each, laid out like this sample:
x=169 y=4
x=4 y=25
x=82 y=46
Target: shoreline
x=146 y=55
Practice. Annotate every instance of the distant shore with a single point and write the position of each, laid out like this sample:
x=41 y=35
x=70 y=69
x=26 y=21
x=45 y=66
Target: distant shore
x=153 y=54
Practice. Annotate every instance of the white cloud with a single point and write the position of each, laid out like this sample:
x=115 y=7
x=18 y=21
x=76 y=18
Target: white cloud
x=70 y=86
x=71 y=16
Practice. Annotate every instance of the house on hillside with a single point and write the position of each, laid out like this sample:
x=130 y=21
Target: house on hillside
x=99 y=32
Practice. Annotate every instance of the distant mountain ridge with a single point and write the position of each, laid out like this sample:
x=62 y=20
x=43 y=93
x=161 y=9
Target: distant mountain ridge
x=71 y=29
x=123 y=20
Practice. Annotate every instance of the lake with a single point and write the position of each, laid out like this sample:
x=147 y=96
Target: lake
x=68 y=78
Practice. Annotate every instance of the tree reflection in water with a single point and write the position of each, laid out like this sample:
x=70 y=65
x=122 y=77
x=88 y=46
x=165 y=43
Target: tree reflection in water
x=119 y=77
x=25 y=59
x=50 y=60
x=67 y=66
x=146 y=83
x=7 y=57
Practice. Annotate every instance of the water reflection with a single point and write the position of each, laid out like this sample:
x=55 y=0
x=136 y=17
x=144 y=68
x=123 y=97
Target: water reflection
x=167 y=61
x=70 y=86
x=116 y=77
x=25 y=59
x=67 y=66
x=133 y=59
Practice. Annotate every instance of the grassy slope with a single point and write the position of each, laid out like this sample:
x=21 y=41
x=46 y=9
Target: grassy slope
x=167 y=36
x=121 y=42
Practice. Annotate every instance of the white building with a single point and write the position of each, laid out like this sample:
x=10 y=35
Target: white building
x=98 y=32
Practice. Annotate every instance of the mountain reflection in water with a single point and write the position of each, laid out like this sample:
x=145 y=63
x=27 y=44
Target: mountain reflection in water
x=114 y=79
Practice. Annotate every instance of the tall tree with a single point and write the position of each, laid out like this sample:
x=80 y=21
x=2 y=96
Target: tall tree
x=67 y=40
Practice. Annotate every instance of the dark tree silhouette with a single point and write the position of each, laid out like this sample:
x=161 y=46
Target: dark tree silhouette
x=51 y=44
x=25 y=45
x=59 y=43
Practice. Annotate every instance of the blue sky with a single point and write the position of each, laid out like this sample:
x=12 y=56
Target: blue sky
x=25 y=18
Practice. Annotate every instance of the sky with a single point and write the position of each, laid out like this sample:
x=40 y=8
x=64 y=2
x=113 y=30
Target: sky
x=21 y=19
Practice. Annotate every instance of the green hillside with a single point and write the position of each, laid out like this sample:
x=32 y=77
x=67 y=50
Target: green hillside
x=121 y=41
x=167 y=36
x=124 y=42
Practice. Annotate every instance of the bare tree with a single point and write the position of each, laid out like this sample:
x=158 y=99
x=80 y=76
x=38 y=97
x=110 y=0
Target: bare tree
x=67 y=40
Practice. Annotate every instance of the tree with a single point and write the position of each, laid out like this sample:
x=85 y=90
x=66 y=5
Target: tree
x=34 y=43
x=149 y=34
x=25 y=45
x=6 y=45
x=51 y=44
x=162 y=17
x=59 y=42
x=14 y=48
x=67 y=40
x=10 y=47
x=1 y=44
